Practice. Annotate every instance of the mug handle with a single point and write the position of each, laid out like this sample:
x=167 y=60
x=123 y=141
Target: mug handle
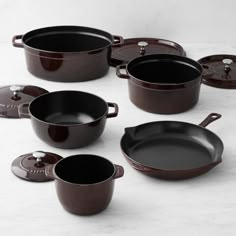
x=119 y=171
x=49 y=171
x=115 y=113
x=22 y=113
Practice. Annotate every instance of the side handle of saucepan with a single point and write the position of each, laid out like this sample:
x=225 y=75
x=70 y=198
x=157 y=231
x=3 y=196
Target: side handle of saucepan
x=115 y=112
x=118 y=40
x=119 y=172
x=17 y=44
x=49 y=171
x=209 y=119
x=120 y=74
x=23 y=110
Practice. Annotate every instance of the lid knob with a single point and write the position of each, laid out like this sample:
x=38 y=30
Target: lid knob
x=227 y=63
x=142 y=45
x=38 y=155
x=16 y=89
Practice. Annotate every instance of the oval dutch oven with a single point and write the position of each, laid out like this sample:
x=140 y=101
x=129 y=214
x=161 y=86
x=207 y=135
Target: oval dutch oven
x=67 y=53
x=162 y=83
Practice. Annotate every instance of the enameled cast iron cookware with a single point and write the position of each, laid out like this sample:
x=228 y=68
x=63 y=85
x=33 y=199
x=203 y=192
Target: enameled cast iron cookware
x=67 y=53
x=68 y=119
x=162 y=83
x=84 y=183
x=172 y=149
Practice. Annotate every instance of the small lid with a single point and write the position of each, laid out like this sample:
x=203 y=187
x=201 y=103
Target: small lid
x=136 y=47
x=14 y=95
x=219 y=71
x=32 y=166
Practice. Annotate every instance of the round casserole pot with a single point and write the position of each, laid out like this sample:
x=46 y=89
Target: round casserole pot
x=162 y=83
x=67 y=53
x=68 y=119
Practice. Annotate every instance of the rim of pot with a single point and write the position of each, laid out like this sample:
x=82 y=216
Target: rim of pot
x=109 y=36
x=68 y=125
x=166 y=57
x=84 y=155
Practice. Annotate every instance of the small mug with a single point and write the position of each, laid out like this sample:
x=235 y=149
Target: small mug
x=84 y=183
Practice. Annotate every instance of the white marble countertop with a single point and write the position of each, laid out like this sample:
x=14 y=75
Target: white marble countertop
x=141 y=205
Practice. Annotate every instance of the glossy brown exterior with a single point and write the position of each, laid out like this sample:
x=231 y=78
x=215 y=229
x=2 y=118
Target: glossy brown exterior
x=67 y=66
x=68 y=135
x=162 y=98
x=164 y=132
x=85 y=199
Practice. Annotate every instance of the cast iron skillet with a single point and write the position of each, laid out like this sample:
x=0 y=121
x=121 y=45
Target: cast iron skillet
x=172 y=149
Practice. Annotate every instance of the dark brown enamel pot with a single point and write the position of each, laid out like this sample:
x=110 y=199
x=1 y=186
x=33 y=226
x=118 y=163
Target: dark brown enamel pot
x=162 y=83
x=172 y=149
x=67 y=53
x=68 y=119
x=84 y=183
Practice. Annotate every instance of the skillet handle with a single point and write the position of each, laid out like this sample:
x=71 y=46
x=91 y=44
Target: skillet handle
x=210 y=118
x=118 y=40
x=15 y=44
x=115 y=113
x=119 y=74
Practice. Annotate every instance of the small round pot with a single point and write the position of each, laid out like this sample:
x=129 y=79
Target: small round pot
x=84 y=183
x=162 y=83
x=68 y=119
x=67 y=53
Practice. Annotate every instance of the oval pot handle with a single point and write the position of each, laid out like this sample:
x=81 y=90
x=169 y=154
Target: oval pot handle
x=118 y=71
x=15 y=38
x=118 y=40
x=119 y=171
x=23 y=110
x=210 y=118
x=115 y=113
x=49 y=171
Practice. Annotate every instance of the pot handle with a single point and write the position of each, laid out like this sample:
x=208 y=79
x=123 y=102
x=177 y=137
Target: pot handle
x=119 y=74
x=118 y=40
x=210 y=118
x=119 y=171
x=22 y=113
x=115 y=113
x=15 y=44
x=49 y=171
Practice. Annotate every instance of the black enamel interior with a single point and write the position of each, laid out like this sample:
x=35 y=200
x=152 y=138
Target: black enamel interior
x=68 y=107
x=67 y=39
x=168 y=69
x=172 y=145
x=84 y=169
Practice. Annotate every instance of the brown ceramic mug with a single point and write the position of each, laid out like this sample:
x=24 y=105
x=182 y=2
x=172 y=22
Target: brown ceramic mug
x=84 y=183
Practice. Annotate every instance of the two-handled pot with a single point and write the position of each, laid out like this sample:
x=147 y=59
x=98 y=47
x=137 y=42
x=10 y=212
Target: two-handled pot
x=84 y=183
x=67 y=53
x=68 y=119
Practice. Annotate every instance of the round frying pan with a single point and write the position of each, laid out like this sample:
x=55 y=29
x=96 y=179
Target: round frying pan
x=172 y=149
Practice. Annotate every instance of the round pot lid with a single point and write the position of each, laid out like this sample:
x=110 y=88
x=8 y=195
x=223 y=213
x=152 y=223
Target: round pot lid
x=219 y=71
x=136 y=47
x=32 y=166
x=14 y=95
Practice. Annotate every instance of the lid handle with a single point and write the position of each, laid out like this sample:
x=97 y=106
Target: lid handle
x=16 y=89
x=38 y=156
x=142 y=45
x=227 y=63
